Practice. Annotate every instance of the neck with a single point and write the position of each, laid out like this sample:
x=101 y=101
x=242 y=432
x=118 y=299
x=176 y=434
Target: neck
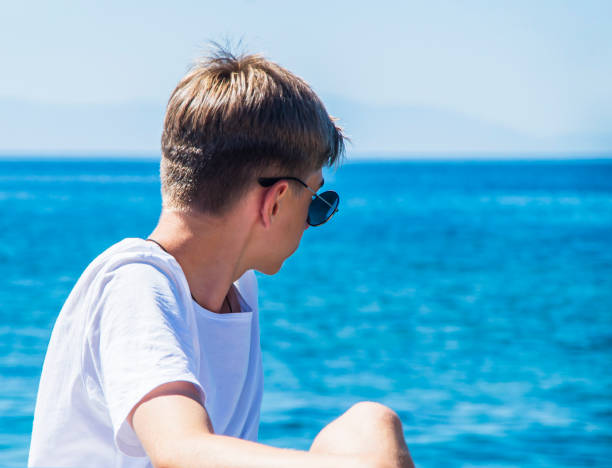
x=209 y=250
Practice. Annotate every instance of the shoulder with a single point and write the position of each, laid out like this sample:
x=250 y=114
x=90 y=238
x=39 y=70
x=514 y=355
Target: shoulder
x=136 y=250
x=136 y=274
x=136 y=259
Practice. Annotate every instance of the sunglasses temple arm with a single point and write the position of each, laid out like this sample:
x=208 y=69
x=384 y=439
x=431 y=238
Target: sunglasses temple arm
x=320 y=197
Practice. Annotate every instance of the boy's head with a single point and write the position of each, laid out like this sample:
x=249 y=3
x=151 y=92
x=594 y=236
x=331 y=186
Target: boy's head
x=233 y=119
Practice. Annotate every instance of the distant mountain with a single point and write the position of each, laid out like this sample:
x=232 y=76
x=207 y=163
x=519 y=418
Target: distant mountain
x=426 y=130
x=135 y=128
x=38 y=128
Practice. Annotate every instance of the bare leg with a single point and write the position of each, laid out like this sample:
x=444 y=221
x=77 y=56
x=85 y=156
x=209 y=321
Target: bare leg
x=368 y=429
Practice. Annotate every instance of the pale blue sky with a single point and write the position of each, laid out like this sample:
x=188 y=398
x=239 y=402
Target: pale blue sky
x=405 y=78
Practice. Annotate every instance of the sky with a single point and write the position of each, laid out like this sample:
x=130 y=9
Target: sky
x=405 y=79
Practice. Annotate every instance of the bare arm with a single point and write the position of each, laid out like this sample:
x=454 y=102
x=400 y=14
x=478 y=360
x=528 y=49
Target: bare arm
x=175 y=431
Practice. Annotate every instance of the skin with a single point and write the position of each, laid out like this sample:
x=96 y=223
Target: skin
x=260 y=232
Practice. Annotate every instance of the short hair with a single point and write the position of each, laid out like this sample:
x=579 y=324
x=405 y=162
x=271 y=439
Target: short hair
x=234 y=118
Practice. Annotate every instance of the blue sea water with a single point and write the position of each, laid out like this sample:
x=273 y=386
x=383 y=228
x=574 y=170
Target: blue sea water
x=473 y=298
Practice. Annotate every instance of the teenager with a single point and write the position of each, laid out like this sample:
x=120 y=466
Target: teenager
x=155 y=357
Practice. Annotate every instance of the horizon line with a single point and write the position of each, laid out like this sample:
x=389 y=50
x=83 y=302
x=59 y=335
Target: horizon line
x=369 y=156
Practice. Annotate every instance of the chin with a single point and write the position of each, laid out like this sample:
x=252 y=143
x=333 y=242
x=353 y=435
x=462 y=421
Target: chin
x=270 y=269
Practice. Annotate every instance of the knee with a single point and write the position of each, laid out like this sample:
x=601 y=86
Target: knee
x=373 y=412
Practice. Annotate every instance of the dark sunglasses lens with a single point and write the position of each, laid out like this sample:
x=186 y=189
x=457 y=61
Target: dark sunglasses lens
x=319 y=211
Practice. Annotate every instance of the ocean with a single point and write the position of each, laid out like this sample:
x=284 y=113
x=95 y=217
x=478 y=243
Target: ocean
x=473 y=298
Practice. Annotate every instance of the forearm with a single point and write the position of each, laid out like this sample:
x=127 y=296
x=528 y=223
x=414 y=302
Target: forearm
x=219 y=451
x=176 y=431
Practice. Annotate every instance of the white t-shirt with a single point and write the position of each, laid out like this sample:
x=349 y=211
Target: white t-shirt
x=128 y=326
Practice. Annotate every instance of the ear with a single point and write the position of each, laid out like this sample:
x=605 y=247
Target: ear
x=271 y=202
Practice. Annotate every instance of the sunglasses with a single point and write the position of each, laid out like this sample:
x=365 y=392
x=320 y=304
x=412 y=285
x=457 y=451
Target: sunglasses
x=321 y=208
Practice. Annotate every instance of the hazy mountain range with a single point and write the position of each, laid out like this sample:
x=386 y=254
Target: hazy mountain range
x=134 y=128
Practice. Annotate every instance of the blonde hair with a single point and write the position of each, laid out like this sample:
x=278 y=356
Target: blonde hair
x=234 y=118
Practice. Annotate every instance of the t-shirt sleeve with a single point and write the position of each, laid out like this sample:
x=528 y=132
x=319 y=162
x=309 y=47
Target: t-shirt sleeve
x=146 y=339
